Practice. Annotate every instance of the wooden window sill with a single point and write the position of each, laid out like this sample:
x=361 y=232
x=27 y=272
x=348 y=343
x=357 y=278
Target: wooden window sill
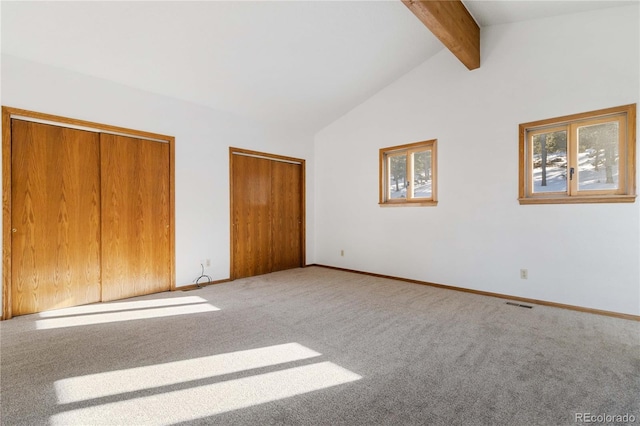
x=409 y=204
x=579 y=200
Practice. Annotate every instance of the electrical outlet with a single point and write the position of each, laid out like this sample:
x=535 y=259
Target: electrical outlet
x=341 y=252
x=208 y=263
x=524 y=274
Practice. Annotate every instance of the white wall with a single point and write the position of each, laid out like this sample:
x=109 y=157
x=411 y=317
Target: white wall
x=479 y=237
x=203 y=137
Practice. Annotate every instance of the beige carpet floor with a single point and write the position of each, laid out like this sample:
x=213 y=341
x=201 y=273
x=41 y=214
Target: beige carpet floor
x=317 y=346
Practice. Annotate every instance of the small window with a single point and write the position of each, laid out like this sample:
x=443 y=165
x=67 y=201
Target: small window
x=582 y=158
x=408 y=175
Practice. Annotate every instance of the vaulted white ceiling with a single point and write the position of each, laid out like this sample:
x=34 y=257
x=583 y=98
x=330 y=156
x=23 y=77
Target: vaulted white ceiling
x=295 y=63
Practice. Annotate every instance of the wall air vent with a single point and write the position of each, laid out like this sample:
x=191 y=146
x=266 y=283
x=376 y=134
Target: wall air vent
x=520 y=305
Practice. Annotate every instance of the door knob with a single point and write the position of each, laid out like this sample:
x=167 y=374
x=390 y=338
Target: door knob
x=14 y=230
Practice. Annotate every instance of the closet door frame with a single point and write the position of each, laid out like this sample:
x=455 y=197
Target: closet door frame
x=273 y=157
x=7 y=114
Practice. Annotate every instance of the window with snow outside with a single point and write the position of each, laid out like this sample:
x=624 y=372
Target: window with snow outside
x=583 y=158
x=408 y=174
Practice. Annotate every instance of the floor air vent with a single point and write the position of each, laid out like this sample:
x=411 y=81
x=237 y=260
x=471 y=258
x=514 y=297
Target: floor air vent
x=520 y=305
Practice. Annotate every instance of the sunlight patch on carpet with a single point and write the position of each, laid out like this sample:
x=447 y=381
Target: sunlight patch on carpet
x=133 y=312
x=99 y=385
x=208 y=400
x=122 y=306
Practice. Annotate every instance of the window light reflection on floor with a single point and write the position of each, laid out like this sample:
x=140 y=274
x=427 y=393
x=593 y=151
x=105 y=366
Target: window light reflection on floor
x=122 y=306
x=208 y=400
x=125 y=311
x=109 y=383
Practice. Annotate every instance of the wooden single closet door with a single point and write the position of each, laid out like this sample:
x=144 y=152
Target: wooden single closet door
x=136 y=255
x=251 y=216
x=55 y=217
x=286 y=215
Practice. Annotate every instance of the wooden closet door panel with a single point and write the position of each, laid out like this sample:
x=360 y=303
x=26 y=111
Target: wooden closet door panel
x=56 y=214
x=286 y=213
x=135 y=217
x=251 y=216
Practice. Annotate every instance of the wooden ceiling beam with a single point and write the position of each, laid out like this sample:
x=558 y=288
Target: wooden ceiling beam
x=454 y=26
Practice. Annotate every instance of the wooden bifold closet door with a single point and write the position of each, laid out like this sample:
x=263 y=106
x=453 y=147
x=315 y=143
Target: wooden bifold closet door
x=91 y=216
x=267 y=215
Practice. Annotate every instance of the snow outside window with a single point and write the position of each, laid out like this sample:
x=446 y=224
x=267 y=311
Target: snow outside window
x=583 y=158
x=408 y=174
